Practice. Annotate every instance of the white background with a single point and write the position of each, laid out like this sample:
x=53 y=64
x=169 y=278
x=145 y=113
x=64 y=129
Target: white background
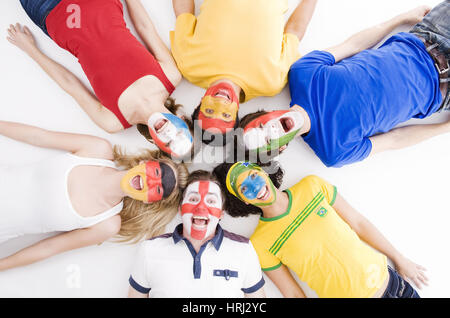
x=404 y=193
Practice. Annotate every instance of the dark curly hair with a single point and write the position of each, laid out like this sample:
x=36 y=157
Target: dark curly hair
x=234 y=206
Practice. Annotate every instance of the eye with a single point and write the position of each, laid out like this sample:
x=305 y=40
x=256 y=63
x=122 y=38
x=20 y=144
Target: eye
x=157 y=172
x=243 y=189
x=226 y=115
x=253 y=176
x=261 y=125
x=193 y=199
x=158 y=189
x=209 y=111
x=211 y=201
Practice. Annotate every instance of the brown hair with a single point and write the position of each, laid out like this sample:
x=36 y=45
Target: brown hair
x=248 y=118
x=142 y=220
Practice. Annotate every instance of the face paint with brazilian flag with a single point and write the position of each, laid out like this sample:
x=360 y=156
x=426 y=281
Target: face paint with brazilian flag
x=249 y=183
x=272 y=130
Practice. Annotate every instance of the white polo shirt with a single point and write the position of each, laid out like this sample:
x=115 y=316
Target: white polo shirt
x=227 y=266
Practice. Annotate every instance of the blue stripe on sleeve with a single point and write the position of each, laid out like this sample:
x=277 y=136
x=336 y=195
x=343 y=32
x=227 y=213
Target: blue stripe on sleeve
x=254 y=288
x=138 y=287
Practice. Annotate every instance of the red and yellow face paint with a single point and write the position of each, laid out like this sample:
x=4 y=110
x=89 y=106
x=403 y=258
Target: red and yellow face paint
x=219 y=108
x=149 y=182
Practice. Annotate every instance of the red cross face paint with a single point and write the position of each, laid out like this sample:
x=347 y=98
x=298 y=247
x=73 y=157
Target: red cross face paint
x=201 y=209
x=219 y=108
x=149 y=182
x=272 y=130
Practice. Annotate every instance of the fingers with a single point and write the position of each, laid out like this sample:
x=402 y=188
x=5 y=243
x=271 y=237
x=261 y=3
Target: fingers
x=26 y=30
x=12 y=28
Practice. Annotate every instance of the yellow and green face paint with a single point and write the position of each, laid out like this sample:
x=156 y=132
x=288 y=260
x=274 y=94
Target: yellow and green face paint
x=249 y=183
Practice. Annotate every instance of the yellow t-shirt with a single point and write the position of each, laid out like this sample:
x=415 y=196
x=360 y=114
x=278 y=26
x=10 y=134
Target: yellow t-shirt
x=311 y=239
x=240 y=40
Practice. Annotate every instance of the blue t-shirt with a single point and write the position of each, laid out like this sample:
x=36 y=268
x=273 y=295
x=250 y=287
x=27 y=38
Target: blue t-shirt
x=366 y=94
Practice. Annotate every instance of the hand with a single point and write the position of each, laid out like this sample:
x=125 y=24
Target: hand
x=412 y=272
x=22 y=38
x=416 y=15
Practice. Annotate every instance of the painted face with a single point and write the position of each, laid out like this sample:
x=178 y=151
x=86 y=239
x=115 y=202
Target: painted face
x=272 y=130
x=149 y=182
x=249 y=183
x=219 y=108
x=170 y=133
x=201 y=209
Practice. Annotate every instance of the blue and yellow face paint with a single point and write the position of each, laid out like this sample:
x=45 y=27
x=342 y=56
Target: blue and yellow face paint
x=249 y=183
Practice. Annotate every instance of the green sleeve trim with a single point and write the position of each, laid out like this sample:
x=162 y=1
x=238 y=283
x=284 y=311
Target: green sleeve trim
x=334 y=196
x=268 y=269
x=282 y=215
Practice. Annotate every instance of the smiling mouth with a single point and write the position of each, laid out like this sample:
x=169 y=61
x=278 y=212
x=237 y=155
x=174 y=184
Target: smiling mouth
x=137 y=183
x=287 y=124
x=160 y=125
x=223 y=93
x=200 y=222
x=264 y=194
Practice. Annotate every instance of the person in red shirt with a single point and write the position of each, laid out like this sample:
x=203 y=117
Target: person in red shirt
x=132 y=83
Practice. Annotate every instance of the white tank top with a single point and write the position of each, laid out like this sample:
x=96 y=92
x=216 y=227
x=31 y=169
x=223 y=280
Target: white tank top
x=35 y=199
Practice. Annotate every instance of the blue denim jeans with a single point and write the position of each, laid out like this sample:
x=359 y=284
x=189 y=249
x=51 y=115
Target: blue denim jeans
x=435 y=28
x=38 y=10
x=398 y=287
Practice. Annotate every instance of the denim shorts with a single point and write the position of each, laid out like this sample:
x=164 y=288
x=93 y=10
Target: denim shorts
x=38 y=10
x=398 y=287
x=435 y=28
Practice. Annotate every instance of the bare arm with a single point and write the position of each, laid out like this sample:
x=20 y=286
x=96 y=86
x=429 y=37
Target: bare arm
x=133 y=293
x=82 y=145
x=407 y=136
x=299 y=20
x=372 y=36
x=287 y=285
x=183 y=6
x=372 y=236
x=62 y=243
x=105 y=119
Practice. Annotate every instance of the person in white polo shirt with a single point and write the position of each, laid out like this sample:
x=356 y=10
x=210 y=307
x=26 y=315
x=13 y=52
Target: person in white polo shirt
x=199 y=259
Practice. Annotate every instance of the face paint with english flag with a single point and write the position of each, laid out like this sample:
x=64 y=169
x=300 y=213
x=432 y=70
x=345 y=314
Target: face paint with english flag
x=201 y=209
x=249 y=183
x=170 y=133
x=273 y=130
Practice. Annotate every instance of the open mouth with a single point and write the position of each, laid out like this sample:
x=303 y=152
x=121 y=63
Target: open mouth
x=200 y=222
x=160 y=125
x=223 y=93
x=137 y=183
x=287 y=124
x=264 y=194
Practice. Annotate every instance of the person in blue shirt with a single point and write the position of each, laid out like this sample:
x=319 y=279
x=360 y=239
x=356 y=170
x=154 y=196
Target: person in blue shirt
x=346 y=100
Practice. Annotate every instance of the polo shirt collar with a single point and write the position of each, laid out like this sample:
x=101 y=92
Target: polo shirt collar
x=216 y=240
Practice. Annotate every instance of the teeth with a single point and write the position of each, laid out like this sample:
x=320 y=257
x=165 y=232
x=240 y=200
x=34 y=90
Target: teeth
x=200 y=218
x=142 y=183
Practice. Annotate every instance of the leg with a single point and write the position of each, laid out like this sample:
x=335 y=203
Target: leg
x=300 y=18
x=398 y=287
x=38 y=10
x=435 y=27
x=407 y=136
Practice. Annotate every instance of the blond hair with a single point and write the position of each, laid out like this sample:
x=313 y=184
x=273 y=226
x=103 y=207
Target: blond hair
x=144 y=220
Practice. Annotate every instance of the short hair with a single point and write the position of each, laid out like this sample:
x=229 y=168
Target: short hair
x=234 y=206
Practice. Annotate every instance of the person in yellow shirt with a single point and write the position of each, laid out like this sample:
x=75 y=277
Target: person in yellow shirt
x=237 y=50
x=310 y=229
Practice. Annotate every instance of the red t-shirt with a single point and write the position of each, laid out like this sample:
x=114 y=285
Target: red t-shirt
x=111 y=57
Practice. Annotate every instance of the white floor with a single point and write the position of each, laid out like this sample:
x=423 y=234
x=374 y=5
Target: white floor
x=405 y=193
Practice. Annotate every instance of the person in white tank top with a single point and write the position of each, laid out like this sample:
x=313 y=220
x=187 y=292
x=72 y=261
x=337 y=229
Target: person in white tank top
x=82 y=193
